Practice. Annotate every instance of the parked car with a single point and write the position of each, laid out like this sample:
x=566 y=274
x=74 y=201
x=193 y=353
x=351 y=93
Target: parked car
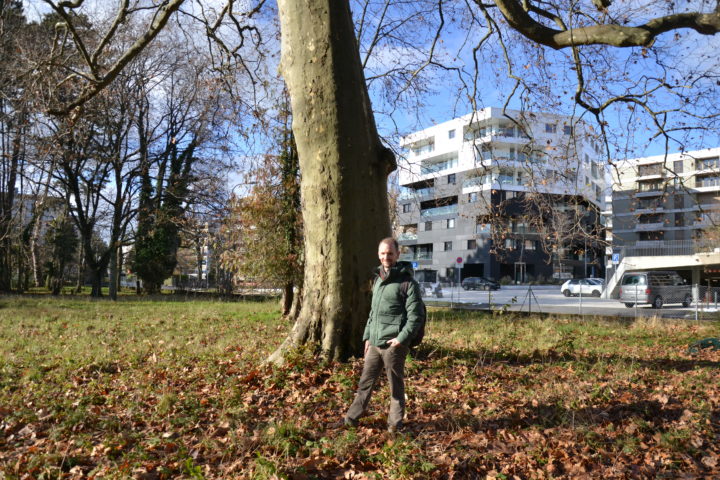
x=654 y=287
x=479 y=283
x=583 y=286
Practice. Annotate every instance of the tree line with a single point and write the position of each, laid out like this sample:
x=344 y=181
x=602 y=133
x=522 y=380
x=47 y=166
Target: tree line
x=137 y=168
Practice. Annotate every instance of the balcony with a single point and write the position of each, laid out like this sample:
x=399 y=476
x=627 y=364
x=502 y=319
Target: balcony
x=421 y=193
x=488 y=133
x=411 y=257
x=649 y=227
x=407 y=237
x=475 y=181
x=704 y=182
x=708 y=164
x=649 y=189
x=650 y=172
x=648 y=209
x=423 y=150
x=435 y=167
x=437 y=211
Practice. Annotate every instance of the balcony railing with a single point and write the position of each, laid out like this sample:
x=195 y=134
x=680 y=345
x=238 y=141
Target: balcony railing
x=424 y=149
x=495 y=131
x=433 y=212
x=649 y=187
x=489 y=180
x=708 y=164
x=646 y=172
x=649 y=227
x=409 y=257
x=426 y=168
x=423 y=192
x=474 y=181
x=708 y=182
x=650 y=248
x=407 y=237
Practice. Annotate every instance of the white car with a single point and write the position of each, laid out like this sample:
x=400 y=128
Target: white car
x=583 y=286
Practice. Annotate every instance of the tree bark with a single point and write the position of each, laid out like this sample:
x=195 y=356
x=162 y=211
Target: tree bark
x=287 y=298
x=114 y=277
x=344 y=174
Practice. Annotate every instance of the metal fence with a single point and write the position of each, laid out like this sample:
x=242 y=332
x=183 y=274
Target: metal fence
x=699 y=303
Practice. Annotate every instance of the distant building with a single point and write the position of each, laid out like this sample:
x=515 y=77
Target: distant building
x=666 y=215
x=666 y=197
x=467 y=193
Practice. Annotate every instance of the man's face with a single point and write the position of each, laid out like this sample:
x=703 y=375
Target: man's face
x=388 y=255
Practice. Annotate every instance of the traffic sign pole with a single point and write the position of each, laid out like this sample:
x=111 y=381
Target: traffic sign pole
x=459 y=260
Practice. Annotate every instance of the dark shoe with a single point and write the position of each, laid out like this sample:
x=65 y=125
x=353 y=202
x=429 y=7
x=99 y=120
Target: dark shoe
x=345 y=422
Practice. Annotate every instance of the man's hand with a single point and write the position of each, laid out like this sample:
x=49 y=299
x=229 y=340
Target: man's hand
x=393 y=342
x=367 y=346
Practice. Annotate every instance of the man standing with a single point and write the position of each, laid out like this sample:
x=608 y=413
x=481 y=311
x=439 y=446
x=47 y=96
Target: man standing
x=395 y=317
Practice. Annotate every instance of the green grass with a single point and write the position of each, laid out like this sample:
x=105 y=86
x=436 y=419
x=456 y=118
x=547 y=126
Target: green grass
x=178 y=389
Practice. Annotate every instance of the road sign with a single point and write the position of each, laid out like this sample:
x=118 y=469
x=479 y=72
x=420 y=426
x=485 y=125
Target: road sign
x=459 y=260
x=615 y=258
x=415 y=264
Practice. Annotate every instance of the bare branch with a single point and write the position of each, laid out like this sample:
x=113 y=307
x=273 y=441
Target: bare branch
x=520 y=19
x=161 y=18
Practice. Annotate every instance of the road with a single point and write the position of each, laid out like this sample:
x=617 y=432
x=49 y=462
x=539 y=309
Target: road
x=550 y=300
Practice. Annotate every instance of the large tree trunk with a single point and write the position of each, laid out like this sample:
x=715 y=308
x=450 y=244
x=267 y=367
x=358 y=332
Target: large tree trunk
x=96 y=276
x=344 y=174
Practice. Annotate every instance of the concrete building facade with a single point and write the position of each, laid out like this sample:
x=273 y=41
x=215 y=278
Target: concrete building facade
x=674 y=197
x=467 y=191
x=666 y=215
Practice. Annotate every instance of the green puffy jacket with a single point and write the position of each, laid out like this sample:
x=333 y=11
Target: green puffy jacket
x=391 y=314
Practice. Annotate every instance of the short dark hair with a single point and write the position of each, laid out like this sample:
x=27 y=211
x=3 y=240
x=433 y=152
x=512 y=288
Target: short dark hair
x=390 y=241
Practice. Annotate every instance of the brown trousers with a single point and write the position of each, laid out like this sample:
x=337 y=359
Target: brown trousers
x=393 y=359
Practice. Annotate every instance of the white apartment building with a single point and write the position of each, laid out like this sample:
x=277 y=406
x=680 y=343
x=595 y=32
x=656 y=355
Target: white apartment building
x=464 y=196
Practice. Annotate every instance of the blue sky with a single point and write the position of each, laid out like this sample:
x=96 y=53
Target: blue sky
x=442 y=98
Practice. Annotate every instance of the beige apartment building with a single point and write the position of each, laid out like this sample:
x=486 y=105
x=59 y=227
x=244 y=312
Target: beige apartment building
x=666 y=215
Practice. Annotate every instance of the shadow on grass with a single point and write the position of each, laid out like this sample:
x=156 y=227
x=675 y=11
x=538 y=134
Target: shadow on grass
x=430 y=350
x=545 y=416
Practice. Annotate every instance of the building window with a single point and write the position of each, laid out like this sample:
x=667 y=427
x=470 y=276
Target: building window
x=450 y=223
x=472 y=244
x=550 y=128
x=529 y=244
x=678 y=166
x=567 y=129
x=482 y=228
x=451 y=134
x=451 y=179
x=448 y=246
x=406 y=207
x=472 y=197
x=428 y=226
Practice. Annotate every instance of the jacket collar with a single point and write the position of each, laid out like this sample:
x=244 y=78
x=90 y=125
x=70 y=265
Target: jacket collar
x=399 y=269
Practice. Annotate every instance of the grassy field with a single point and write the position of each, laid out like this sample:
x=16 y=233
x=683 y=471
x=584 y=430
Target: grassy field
x=140 y=389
